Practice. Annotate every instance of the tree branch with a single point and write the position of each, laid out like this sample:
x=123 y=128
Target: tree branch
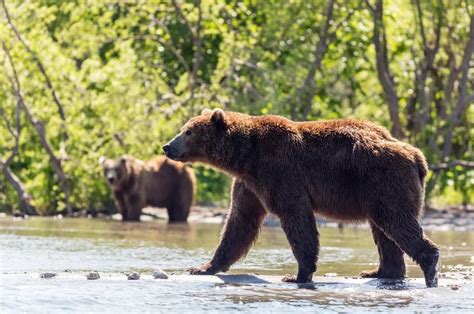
x=196 y=38
x=23 y=196
x=42 y=69
x=385 y=77
x=14 y=132
x=39 y=128
x=426 y=66
x=198 y=47
x=171 y=45
x=449 y=165
x=181 y=16
x=420 y=22
x=307 y=90
x=463 y=100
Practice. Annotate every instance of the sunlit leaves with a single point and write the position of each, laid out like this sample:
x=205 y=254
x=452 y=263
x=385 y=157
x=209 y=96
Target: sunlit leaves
x=123 y=70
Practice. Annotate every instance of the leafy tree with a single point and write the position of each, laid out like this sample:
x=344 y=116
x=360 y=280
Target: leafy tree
x=116 y=77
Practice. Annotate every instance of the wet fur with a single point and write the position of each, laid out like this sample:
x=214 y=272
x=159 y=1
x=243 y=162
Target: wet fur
x=347 y=170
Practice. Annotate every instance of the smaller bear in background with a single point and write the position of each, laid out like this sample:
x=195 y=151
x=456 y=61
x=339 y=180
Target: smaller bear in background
x=160 y=182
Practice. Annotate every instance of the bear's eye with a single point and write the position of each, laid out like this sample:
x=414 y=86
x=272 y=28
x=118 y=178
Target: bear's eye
x=188 y=132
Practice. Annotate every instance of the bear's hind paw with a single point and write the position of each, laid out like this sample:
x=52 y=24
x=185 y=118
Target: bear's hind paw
x=383 y=274
x=289 y=278
x=374 y=273
x=201 y=271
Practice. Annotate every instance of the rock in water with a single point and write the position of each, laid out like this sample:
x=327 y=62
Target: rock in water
x=93 y=276
x=159 y=274
x=133 y=276
x=47 y=275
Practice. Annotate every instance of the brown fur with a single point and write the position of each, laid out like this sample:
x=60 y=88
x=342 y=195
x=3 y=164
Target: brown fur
x=160 y=182
x=347 y=170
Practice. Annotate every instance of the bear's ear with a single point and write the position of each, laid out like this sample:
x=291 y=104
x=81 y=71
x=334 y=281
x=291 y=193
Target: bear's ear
x=206 y=111
x=123 y=160
x=218 y=118
x=102 y=160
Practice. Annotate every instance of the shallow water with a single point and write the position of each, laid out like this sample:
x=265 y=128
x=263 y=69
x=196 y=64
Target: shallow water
x=73 y=247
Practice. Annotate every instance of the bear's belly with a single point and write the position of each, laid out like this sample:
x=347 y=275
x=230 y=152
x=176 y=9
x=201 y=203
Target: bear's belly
x=339 y=208
x=343 y=214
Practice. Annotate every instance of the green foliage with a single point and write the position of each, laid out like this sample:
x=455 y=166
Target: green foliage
x=124 y=73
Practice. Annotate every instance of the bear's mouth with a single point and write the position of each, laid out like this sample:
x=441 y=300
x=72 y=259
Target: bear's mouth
x=173 y=155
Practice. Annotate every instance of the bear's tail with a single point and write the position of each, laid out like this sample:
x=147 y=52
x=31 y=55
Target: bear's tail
x=422 y=166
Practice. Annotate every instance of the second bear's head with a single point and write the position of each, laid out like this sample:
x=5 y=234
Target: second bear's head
x=115 y=170
x=201 y=139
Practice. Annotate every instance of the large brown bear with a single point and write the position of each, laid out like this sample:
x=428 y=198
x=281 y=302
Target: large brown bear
x=343 y=169
x=160 y=182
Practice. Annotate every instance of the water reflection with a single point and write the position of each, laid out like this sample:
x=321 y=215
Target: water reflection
x=113 y=248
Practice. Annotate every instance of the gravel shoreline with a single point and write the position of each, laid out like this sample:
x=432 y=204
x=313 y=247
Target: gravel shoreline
x=433 y=219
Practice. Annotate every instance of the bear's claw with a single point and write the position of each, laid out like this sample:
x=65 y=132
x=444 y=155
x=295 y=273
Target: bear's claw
x=201 y=271
x=369 y=273
x=430 y=270
x=293 y=279
x=376 y=273
x=289 y=278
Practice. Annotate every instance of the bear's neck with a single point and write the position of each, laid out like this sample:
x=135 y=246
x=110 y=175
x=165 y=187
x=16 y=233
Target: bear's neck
x=236 y=155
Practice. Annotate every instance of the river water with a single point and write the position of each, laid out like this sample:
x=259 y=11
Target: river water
x=71 y=248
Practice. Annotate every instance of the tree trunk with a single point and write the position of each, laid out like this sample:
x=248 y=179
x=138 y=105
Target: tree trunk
x=23 y=197
x=383 y=71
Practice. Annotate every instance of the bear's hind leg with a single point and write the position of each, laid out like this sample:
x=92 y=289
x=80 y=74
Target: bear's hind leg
x=408 y=234
x=179 y=210
x=302 y=234
x=240 y=231
x=391 y=260
x=177 y=213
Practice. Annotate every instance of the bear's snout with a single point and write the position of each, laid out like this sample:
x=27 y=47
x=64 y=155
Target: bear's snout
x=170 y=151
x=111 y=176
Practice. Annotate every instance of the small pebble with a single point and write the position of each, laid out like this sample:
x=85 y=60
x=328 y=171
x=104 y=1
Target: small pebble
x=47 y=275
x=133 y=276
x=330 y=275
x=159 y=274
x=93 y=276
x=454 y=287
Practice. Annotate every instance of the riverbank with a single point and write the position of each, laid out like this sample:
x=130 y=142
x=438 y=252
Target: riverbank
x=452 y=218
x=434 y=219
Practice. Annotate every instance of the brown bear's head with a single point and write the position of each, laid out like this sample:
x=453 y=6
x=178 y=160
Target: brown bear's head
x=115 y=171
x=200 y=138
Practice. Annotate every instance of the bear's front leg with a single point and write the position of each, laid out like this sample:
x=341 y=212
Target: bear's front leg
x=246 y=215
x=302 y=234
x=135 y=204
x=121 y=204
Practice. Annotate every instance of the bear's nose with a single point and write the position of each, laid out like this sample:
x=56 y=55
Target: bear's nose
x=166 y=148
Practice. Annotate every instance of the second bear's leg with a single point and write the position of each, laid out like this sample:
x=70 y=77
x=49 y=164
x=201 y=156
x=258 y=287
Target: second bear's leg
x=178 y=211
x=391 y=264
x=302 y=234
x=135 y=206
x=121 y=205
x=240 y=231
